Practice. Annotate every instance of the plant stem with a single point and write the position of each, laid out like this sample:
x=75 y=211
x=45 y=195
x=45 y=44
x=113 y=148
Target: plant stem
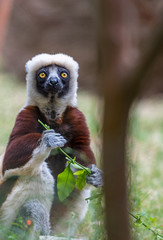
x=69 y=158
x=146 y=226
x=73 y=161
x=44 y=125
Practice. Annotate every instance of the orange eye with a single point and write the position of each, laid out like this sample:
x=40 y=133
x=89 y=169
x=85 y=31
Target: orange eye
x=42 y=75
x=64 y=74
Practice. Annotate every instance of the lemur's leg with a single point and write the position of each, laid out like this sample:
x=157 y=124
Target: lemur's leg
x=32 y=221
x=33 y=210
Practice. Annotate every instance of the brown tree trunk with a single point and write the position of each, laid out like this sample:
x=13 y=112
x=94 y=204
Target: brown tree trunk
x=120 y=86
x=5 y=11
x=115 y=117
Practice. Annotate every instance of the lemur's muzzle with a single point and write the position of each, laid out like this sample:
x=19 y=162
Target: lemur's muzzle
x=54 y=84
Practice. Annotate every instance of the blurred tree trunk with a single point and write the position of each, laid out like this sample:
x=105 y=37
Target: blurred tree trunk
x=5 y=10
x=115 y=117
x=121 y=82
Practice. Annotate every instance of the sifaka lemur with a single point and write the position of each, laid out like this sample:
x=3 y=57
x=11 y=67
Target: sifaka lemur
x=31 y=164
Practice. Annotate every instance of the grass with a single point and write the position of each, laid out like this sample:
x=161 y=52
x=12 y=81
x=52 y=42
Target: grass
x=144 y=152
x=146 y=167
x=12 y=98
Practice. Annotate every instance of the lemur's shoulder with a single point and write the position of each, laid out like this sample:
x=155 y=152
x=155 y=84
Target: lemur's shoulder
x=74 y=115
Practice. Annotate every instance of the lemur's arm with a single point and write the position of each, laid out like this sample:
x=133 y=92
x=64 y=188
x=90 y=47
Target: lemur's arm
x=27 y=143
x=23 y=140
x=76 y=132
x=80 y=144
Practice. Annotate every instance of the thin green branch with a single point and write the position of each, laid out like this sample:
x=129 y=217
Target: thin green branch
x=145 y=225
x=71 y=160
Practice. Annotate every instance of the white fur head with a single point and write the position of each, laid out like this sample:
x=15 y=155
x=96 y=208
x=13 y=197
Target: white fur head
x=42 y=60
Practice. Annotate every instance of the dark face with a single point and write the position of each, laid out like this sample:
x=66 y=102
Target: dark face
x=52 y=79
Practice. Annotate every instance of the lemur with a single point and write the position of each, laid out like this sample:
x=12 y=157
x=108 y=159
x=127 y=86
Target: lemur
x=31 y=163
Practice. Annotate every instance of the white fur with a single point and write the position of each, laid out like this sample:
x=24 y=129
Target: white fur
x=39 y=187
x=35 y=182
x=33 y=166
x=36 y=99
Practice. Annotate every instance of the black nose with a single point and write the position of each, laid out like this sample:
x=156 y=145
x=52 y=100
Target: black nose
x=53 y=81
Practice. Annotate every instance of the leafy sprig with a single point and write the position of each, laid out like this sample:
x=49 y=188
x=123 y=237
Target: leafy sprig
x=139 y=222
x=66 y=180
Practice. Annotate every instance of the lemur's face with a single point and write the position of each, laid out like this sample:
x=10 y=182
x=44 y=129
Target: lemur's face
x=52 y=79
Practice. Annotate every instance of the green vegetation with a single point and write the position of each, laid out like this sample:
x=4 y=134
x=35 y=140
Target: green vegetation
x=12 y=98
x=145 y=169
x=144 y=152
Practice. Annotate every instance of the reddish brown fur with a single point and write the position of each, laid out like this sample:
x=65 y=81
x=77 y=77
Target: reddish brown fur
x=27 y=133
x=23 y=140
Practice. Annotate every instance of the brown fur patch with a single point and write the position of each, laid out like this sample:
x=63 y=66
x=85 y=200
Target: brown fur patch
x=6 y=187
x=24 y=138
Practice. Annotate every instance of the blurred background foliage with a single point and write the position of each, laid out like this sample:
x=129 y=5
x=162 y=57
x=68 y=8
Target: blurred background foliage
x=145 y=155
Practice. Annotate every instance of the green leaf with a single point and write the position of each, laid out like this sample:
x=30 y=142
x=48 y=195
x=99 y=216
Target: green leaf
x=152 y=219
x=138 y=220
x=81 y=179
x=65 y=183
x=80 y=172
x=79 y=166
x=76 y=166
x=137 y=224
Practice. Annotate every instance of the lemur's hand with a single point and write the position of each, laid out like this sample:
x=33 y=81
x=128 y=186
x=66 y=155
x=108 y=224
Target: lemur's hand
x=53 y=139
x=96 y=177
